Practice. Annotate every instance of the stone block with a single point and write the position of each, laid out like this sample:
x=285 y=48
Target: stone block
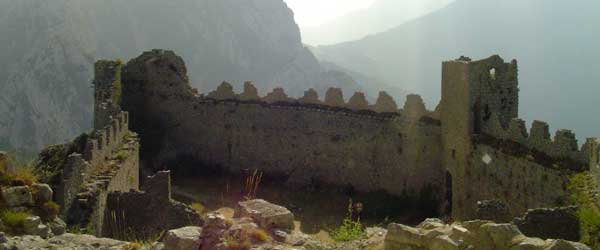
x=265 y=214
x=17 y=196
x=550 y=223
x=401 y=235
x=30 y=225
x=183 y=238
x=43 y=192
x=57 y=226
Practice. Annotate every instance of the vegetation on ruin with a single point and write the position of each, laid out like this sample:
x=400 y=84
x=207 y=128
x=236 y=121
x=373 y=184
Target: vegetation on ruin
x=246 y=238
x=117 y=85
x=588 y=208
x=351 y=229
x=22 y=173
x=198 y=208
x=251 y=184
x=13 y=221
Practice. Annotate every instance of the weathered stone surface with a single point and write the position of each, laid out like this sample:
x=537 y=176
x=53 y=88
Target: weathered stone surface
x=358 y=101
x=414 y=106
x=277 y=95
x=550 y=223
x=530 y=244
x=385 y=103
x=183 y=238
x=30 y=225
x=17 y=196
x=310 y=96
x=43 y=192
x=566 y=245
x=223 y=92
x=401 y=235
x=58 y=226
x=250 y=92
x=502 y=234
x=334 y=97
x=265 y=214
x=493 y=210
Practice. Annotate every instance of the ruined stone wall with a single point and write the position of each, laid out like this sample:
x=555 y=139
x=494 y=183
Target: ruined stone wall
x=303 y=141
x=145 y=214
x=593 y=150
x=517 y=181
x=488 y=150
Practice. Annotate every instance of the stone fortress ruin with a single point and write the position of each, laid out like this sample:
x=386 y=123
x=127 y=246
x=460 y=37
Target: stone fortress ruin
x=471 y=148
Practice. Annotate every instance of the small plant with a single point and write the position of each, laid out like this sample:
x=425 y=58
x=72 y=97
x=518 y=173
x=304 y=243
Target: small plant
x=13 y=221
x=237 y=244
x=252 y=184
x=122 y=155
x=50 y=210
x=198 y=208
x=588 y=210
x=259 y=235
x=132 y=246
x=350 y=229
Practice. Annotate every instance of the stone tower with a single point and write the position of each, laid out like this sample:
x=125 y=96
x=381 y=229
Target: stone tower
x=107 y=92
x=472 y=93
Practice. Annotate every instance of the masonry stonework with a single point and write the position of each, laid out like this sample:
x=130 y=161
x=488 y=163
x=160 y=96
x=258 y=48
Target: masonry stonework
x=472 y=147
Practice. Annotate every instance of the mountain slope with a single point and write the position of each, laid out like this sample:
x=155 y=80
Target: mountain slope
x=381 y=16
x=47 y=50
x=555 y=42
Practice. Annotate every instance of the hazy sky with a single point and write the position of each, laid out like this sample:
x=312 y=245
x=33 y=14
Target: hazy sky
x=315 y=12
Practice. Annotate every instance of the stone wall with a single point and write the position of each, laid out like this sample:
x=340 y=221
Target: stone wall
x=146 y=214
x=301 y=141
x=487 y=149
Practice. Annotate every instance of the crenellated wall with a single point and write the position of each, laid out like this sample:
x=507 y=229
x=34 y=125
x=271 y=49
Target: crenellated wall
x=489 y=151
x=473 y=143
x=305 y=141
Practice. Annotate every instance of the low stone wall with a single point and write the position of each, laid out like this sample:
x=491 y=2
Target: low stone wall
x=550 y=223
x=145 y=214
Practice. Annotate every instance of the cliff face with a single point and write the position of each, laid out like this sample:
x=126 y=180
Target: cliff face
x=47 y=50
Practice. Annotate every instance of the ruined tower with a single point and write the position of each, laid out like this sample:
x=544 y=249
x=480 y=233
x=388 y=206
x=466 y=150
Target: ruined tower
x=107 y=92
x=472 y=93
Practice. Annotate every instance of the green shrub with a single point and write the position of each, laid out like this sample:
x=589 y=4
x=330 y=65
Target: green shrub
x=588 y=210
x=13 y=221
x=198 y=208
x=350 y=229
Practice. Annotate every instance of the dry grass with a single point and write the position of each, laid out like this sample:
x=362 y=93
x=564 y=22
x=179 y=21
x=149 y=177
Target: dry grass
x=132 y=246
x=198 y=208
x=252 y=183
x=259 y=235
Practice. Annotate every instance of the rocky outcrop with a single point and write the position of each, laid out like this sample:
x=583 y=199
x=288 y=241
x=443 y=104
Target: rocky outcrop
x=550 y=223
x=433 y=234
x=183 y=238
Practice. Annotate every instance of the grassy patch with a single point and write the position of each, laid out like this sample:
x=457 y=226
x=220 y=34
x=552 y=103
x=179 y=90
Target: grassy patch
x=13 y=221
x=588 y=209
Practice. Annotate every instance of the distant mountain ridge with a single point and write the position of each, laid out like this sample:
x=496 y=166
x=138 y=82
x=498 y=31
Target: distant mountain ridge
x=555 y=43
x=381 y=16
x=47 y=49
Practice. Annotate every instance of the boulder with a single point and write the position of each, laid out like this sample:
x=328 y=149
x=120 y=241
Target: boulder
x=502 y=235
x=183 y=238
x=57 y=226
x=30 y=225
x=43 y=192
x=399 y=236
x=17 y=196
x=530 y=244
x=566 y=245
x=265 y=214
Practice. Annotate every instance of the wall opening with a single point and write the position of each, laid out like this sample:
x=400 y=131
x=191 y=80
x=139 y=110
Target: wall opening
x=477 y=118
x=493 y=73
x=447 y=207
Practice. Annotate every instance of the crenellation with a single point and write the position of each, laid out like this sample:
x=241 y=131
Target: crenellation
x=335 y=97
x=358 y=101
x=414 y=106
x=565 y=143
x=539 y=135
x=517 y=131
x=223 y=92
x=385 y=103
x=310 y=97
x=250 y=92
x=277 y=95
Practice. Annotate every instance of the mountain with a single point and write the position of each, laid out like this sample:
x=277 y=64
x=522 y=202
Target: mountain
x=47 y=51
x=381 y=16
x=554 y=41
